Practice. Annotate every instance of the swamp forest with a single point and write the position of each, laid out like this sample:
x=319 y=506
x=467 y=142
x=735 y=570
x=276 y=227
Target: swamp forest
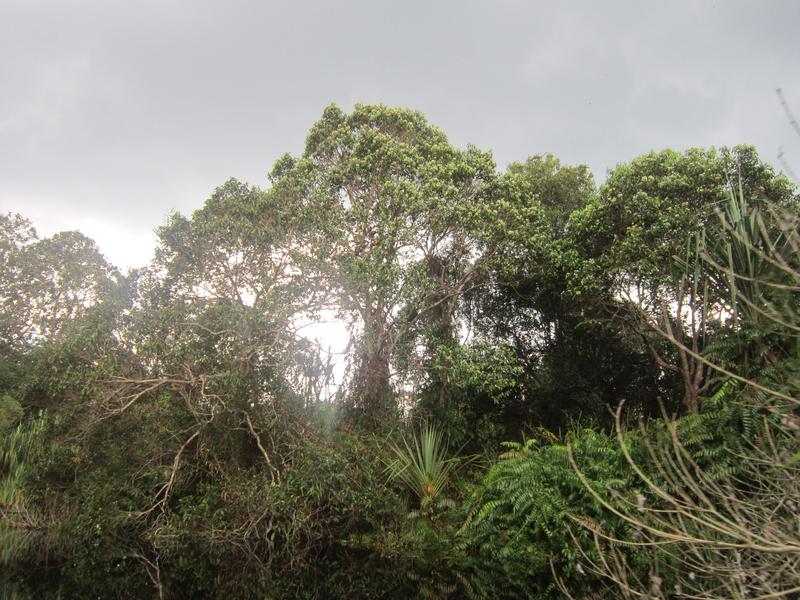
x=550 y=388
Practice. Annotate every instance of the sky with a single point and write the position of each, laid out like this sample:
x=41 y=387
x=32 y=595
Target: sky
x=114 y=114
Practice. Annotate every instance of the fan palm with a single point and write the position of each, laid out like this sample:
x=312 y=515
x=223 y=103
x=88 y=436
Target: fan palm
x=423 y=465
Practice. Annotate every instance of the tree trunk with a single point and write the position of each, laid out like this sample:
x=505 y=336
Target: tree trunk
x=372 y=393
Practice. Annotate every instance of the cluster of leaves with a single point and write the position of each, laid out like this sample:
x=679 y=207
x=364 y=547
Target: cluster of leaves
x=526 y=515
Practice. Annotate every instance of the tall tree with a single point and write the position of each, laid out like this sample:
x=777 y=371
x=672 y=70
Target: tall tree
x=560 y=189
x=228 y=289
x=386 y=192
x=627 y=245
x=46 y=283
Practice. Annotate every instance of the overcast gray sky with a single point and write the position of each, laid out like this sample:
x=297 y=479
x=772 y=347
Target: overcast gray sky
x=113 y=114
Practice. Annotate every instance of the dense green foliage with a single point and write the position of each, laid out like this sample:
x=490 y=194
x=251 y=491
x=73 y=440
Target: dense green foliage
x=551 y=388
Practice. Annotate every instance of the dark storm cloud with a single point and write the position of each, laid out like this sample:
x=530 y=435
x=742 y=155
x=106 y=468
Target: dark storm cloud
x=114 y=113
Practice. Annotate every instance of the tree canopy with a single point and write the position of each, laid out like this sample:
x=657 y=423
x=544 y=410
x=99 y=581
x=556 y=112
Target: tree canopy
x=173 y=432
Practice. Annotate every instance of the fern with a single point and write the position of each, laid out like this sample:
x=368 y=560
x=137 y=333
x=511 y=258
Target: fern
x=523 y=515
